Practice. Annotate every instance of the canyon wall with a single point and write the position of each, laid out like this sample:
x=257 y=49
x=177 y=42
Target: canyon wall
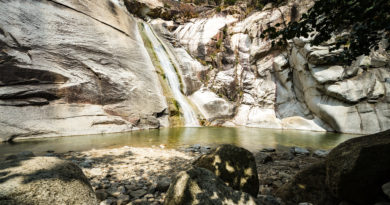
x=247 y=82
x=73 y=68
x=81 y=67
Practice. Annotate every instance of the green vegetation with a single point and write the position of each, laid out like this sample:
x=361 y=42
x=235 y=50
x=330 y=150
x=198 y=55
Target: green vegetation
x=261 y=3
x=230 y=2
x=218 y=44
x=366 y=23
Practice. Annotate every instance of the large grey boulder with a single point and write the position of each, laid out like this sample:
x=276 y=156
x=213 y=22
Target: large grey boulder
x=357 y=168
x=73 y=68
x=43 y=180
x=200 y=186
x=236 y=166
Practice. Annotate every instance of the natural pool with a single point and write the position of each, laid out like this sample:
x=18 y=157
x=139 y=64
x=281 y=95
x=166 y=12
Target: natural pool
x=249 y=138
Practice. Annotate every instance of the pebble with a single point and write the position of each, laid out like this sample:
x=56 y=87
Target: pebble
x=321 y=153
x=268 y=200
x=300 y=151
x=107 y=202
x=123 y=199
x=138 y=193
x=268 y=149
x=101 y=194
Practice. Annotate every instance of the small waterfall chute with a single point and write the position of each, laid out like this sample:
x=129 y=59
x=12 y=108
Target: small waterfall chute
x=189 y=115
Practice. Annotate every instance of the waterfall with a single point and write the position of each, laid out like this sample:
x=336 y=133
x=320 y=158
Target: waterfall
x=190 y=118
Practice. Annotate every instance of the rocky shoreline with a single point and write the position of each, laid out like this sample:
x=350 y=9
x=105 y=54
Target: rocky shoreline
x=131 y=175
x=354 y=172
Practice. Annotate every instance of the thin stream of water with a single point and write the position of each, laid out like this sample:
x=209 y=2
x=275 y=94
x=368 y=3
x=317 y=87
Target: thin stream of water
x=189 y=115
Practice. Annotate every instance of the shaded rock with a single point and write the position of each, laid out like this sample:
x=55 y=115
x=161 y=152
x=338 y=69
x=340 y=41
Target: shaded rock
x=357 y=168
x=287 y=156
x=21 y=155
x=386 y=189
x=44 y=180
x=268 y=149
x=138 y=193
x=163 y=184
x=268 y=200
x=200 y=186
x=263 y=158
x=236 y=166
x=123 y=199
x=101 y=194
x=308 y=186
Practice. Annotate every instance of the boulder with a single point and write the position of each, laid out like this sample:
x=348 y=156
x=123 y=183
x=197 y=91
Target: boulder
x=308 y=186
x=44 y=180
x=386 y=189
x=357 y=168
x=211 y=106
x=236 y=166
x=200 y=186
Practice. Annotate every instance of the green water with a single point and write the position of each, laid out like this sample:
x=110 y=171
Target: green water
x=250 y=138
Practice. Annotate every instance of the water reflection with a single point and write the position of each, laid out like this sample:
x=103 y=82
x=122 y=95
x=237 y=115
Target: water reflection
x=250 y=138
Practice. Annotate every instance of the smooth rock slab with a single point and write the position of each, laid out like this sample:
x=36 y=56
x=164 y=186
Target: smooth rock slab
x=43 y=180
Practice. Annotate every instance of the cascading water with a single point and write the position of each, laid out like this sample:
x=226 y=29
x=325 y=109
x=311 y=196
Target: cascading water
x=190 y=118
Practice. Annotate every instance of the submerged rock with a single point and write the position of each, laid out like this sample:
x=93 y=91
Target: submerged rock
x=300 y=151
x=200 y=186
x=236 y=166
x=44 y=180
x=321 y=153
x=21 y=155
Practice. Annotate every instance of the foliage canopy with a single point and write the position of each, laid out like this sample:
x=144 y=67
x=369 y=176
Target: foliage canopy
x=366 y=23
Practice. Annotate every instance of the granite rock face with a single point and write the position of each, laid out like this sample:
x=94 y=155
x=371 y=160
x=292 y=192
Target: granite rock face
x=299 y=87
x=72 y=68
